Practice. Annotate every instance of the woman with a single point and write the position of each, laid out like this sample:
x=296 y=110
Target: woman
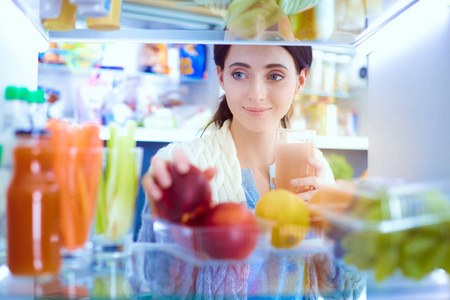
x=238 y=157
x=259 y=84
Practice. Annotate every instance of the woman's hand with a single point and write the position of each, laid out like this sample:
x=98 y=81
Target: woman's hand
x=158 y=178
x=313 y=182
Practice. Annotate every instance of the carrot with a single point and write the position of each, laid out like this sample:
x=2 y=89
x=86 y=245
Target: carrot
x=90 y=143
x=83 y=202
x=72 y=205
x=60 y=142
x=77 y=168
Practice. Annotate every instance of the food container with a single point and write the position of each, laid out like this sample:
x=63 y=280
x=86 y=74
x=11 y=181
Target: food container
x=92 y=8
x=218 y=245
x=65 y=20
x=49 y=9
x=162 y=270
x=389 y=226
x=109 y=22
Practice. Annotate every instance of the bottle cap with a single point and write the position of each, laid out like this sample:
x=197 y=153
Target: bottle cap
x=10 y=93
x=36 y=96
x=40 y=96
x=23 y=93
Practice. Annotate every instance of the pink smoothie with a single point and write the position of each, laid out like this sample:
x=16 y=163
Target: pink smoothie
x=291 y=161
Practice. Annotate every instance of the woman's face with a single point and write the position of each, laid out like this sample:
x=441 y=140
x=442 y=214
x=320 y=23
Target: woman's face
x=259 y=83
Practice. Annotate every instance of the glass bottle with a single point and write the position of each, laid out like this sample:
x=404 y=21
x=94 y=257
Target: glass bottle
x=33 y=208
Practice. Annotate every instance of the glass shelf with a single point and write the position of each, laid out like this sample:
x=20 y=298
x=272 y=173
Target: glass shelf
x=211 y=31
x=153 y=271
x=180 y=134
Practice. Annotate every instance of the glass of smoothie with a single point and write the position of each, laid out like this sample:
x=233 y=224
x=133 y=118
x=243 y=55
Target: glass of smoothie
x=293 y=148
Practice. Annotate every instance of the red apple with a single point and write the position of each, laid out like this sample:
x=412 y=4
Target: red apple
x=229 y=231
x=187 y=198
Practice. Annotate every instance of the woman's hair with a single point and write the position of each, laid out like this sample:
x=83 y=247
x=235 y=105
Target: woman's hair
x=302 y=56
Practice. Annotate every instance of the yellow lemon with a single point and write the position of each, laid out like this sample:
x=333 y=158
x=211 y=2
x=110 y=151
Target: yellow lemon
x=290 y=213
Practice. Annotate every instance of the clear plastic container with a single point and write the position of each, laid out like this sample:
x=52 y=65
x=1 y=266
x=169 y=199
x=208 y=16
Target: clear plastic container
x=389 y=226
x=92 y=8
x=162 y=271
x=109 y=22
x=383 y=204
x=65 y=21
x=209 y=243
x=217 y=245
x=50 y=9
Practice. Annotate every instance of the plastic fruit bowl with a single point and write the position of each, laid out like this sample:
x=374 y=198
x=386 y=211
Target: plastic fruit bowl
x=223 y=243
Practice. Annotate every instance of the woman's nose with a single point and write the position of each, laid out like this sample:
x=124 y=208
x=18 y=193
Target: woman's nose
x=257 y=90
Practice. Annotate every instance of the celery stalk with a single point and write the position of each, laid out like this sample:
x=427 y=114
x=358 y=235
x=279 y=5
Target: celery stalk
x=101 y=219
x=125 y=183
x=112 y=163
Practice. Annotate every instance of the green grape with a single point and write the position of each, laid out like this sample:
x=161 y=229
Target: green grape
x=386 y=263
x=361 y=248
x=436 y=257
x=374 y=214
x=419 y=243
x=446 y=263
x=392 y=239
x=360 y=261
x=412 y=268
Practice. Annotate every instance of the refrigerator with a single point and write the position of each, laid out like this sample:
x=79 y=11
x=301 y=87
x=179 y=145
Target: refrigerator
x=408 y=54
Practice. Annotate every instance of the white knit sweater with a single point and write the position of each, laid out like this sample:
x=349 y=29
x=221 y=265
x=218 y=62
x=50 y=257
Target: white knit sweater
x=217 y=149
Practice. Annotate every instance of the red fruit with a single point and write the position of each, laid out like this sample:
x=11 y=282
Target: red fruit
x=187 y=198
x=230 y=231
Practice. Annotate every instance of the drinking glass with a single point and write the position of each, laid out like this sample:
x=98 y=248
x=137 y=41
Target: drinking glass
x=116 y=204
x=5 y=176
x=293 y=148
x=77 y=171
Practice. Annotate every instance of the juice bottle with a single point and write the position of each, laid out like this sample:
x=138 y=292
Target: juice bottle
x=32 y=209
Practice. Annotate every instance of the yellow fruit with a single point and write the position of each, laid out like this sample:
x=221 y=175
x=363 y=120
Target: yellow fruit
x=290 y=213
x=249 y=18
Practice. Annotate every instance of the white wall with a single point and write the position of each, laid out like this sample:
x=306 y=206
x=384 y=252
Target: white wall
x=20 y=43
x=409 y=95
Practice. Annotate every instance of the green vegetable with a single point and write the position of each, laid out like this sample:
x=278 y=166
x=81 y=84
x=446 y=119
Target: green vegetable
x=118 y=188
x=340 y=167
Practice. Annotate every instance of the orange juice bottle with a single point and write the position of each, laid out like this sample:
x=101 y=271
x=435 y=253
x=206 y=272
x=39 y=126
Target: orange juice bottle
x=32 y=209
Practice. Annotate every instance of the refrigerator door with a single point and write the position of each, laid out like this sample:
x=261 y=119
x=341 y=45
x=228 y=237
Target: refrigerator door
x=409 y=97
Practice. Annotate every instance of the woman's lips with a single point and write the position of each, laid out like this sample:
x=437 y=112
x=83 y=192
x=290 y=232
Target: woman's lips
x=256 y=111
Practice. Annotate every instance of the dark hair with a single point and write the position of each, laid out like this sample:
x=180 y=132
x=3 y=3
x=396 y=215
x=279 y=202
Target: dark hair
x=302 y=56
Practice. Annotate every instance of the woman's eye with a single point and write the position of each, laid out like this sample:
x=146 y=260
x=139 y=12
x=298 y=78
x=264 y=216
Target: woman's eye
x=238 y=75
x=275 y=77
